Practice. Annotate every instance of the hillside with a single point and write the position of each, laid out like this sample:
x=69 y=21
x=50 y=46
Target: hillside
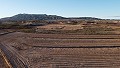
x=27 y=17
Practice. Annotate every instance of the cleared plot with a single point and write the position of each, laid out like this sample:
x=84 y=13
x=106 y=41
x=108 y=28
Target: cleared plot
x=74 y=57
x=29 y=46
x=23 y=40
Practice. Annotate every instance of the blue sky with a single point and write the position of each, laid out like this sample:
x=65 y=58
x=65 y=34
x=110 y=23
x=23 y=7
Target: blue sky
x=66 y=8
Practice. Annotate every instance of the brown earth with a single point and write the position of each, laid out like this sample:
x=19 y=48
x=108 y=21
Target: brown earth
x=81 y=28
x=61 y=27
x=39 y=50
x=2 y=62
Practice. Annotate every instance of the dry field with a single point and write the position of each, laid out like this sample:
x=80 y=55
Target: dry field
x=61 y=27
x=66 y=51
x=81 y=28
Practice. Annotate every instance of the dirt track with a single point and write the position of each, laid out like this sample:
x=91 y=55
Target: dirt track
x=16 y=60
x=2 y=62
x=44 y=51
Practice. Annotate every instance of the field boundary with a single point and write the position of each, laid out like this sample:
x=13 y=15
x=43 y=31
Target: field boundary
x=78 y=46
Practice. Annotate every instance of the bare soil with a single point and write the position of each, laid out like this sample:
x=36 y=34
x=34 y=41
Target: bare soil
x=61 y=27
x=2 y=62
x=29 y=46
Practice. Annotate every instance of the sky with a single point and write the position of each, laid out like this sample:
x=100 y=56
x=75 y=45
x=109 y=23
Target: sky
x=65 y=8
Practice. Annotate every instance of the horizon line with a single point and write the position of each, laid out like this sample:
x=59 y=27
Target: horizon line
x=105 y=17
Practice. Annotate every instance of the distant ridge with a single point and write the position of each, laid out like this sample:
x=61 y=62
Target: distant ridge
x=86 y=18
x=26 y=17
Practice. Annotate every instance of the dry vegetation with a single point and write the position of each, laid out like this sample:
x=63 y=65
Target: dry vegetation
x=82 y=27
x=95 y=27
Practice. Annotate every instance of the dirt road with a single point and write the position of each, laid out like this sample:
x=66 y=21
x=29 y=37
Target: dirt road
x=2 y=62
x=16 y=60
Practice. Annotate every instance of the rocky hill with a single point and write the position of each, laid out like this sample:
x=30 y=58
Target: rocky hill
x=27 y=17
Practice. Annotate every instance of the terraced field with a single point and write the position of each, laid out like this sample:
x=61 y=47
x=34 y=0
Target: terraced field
x=65 y=51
